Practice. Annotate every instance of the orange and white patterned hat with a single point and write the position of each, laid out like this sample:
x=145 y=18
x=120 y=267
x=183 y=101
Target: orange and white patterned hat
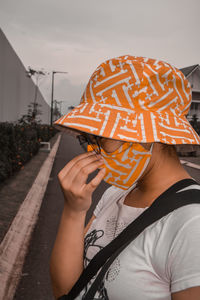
x=135 y=99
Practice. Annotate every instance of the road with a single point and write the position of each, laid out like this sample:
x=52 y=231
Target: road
x=35 y=280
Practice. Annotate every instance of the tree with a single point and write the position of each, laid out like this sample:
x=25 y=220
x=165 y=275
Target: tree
x=31 y=117
x=194 y=123
x=33 y=111
x=56 y=111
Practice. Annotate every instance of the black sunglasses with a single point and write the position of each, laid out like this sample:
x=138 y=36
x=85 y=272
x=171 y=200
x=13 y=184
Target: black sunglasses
x=92 y=140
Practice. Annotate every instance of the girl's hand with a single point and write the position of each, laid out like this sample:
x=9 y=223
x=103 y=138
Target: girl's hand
x=73 y=178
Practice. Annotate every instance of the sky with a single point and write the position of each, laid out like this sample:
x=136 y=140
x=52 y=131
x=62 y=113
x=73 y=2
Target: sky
x=75 y=36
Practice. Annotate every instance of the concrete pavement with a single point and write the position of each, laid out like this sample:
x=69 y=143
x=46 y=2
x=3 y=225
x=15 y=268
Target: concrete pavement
x=14 y=190
x=14 y=245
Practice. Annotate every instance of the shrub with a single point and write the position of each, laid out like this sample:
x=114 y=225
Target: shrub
x=18 y=143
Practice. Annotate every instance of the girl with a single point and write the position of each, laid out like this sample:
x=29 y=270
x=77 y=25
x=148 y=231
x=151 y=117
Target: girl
x=132 y=116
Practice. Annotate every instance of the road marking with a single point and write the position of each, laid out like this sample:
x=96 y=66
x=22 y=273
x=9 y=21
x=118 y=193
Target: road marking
x=191 y=165
x=14 y=246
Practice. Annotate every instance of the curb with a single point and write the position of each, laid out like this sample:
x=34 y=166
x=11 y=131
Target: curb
x=190 y=164
x=15 y=244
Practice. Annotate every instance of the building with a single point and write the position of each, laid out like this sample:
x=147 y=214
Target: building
x=17 y=90
x=192 y=73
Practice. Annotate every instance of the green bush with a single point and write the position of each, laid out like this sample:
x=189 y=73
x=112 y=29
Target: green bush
x=18 y=143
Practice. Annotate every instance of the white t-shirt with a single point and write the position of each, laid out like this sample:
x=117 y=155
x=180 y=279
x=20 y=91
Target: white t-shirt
x=163 y=259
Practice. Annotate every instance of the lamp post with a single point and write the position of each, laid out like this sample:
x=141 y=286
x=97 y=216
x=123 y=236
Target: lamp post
x=52 y=91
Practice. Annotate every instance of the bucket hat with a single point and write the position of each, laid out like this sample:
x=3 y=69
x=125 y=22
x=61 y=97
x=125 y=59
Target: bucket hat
x=135 y=99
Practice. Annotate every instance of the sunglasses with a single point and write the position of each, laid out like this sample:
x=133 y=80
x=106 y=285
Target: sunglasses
x=86 y=140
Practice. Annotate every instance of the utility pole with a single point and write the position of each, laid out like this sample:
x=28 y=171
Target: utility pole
x=52 y=92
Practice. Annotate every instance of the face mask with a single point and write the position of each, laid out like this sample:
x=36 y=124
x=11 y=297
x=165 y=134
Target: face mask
x=126 y=165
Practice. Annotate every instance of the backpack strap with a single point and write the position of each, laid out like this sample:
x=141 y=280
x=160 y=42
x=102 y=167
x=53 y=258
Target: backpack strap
x=168 y=201
x=179 y=200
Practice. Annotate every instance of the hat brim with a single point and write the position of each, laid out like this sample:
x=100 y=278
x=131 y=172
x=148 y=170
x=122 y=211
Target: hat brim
x=128 y=125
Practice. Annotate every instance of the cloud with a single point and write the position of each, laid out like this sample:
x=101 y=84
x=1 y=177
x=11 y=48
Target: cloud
x=76 y=36
x=79 y=20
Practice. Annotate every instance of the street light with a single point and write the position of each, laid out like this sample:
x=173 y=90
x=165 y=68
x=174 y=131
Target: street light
x=52 y=90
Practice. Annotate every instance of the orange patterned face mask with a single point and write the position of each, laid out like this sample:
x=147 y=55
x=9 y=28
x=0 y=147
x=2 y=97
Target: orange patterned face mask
x=126 y=165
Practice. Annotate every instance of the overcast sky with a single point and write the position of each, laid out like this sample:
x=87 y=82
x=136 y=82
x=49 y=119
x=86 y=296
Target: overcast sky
x=77 y=35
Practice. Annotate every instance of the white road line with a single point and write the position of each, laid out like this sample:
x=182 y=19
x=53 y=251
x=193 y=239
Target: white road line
x=191 y=165
x=14 y=246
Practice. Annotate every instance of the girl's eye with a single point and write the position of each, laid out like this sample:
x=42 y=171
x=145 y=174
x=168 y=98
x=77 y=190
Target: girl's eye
x=93 y=139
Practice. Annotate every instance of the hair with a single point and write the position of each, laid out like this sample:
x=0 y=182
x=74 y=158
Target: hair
x=169 y=149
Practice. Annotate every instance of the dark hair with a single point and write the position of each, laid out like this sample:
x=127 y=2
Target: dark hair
x=169 y=149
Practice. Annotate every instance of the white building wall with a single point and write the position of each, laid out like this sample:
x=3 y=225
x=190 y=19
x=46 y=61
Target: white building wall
x=194 y=78
x=17 y=91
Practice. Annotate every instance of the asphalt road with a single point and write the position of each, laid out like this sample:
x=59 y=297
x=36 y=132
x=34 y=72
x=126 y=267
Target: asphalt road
x=35 y=280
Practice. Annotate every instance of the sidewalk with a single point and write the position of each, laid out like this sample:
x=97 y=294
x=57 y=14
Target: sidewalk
x=24 y=193
x=14 y=190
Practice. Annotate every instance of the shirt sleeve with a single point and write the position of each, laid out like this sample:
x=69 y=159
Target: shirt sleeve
x=185 y=256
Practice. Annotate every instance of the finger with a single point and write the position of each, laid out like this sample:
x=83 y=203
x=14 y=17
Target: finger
x=83 y=173
x=93 y=184
x=80 y=167
x=72 y=162
x=78 y=174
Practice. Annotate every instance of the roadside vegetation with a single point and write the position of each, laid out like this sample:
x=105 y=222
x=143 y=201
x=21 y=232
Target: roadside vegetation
x=20 y=141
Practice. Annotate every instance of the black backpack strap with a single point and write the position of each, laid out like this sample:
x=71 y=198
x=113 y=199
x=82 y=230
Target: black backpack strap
x=170 y=200
x=179 y=200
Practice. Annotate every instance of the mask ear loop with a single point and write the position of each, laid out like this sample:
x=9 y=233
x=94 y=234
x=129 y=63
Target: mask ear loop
x=151 y=148
x=149 y=152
